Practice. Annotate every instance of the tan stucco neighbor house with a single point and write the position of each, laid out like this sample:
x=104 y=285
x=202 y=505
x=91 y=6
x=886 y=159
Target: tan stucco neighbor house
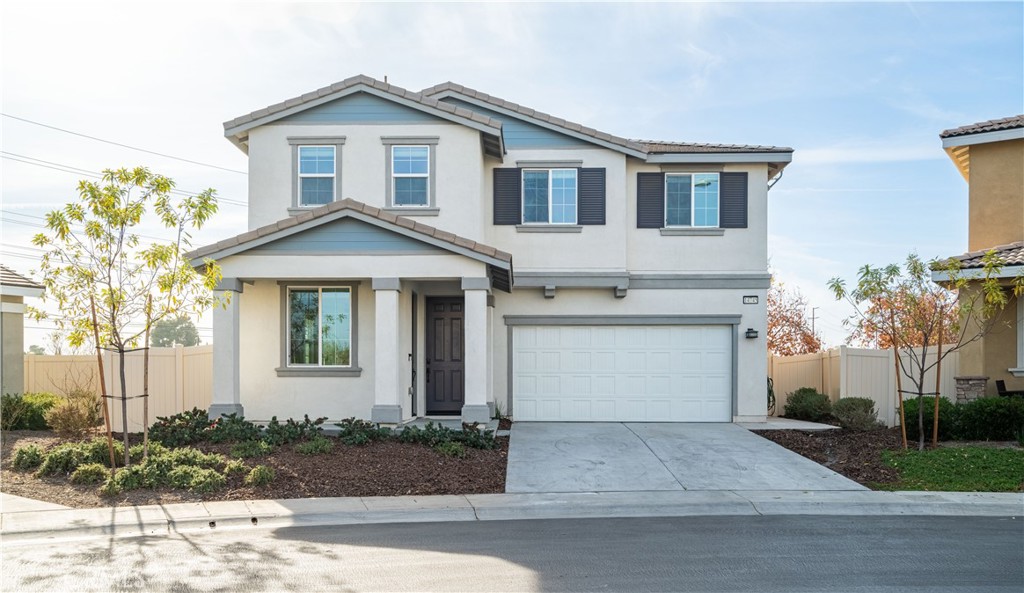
x=13 y=289
x=990 y=156
x=449 y=253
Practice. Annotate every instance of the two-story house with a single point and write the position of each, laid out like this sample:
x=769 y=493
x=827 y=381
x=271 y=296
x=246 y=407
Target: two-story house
x=990 y=156
x=377 y=279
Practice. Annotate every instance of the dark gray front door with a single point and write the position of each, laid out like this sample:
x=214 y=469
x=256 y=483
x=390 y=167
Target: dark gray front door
x=445 y=361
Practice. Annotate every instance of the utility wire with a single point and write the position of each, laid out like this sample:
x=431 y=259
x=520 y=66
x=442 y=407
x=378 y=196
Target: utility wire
x=28 y=160
x=177 y=158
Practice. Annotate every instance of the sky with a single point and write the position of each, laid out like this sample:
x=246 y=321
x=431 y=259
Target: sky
x=860 y=91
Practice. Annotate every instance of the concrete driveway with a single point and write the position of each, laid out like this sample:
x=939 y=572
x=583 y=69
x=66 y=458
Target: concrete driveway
x=617 y=457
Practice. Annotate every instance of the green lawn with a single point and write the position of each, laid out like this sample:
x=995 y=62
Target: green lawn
x=958 y=469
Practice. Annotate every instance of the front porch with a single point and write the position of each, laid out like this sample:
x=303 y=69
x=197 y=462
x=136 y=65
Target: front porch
x=356 y=316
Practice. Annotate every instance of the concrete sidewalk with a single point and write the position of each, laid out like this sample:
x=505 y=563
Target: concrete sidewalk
x=198 y=517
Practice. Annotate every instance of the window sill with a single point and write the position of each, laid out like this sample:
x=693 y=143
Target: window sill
x=323 y=372
x=412 y=211
x=1017 y=372
x=549 y=228
x=692 y=232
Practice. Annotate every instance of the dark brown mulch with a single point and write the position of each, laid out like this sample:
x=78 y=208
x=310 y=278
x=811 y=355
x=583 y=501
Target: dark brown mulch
x=854 y=454
x=376 y=469
x=504 y=424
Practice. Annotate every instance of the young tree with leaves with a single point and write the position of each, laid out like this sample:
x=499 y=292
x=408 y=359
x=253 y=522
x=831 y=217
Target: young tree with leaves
x=105 y=281
x=789 y=331
x=917 y=315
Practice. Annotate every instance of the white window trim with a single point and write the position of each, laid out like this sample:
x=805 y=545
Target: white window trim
x=319 y=328
x=693 y=208
x=1019 y=371
x=301 y=175
x=395 y=176
x=522 y=197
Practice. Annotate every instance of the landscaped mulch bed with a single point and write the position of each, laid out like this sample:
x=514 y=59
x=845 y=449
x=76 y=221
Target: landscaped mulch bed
x=854 y=454
x=377 y=469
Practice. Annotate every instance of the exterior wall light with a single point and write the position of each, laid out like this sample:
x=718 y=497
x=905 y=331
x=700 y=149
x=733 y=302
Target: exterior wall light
x=751 y=333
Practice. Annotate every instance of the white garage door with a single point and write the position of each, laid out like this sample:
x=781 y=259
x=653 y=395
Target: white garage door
x=661 y=373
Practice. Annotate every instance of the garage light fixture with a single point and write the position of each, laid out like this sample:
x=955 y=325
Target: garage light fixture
x=751 y=333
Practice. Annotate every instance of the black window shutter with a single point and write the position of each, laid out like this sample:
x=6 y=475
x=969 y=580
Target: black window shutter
x=591 y=196
x=507 y=196
x=650 y=200
x=733 y=198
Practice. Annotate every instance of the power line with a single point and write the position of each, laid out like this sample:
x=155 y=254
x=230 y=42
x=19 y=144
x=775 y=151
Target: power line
x=177 y=158
x=28 y=160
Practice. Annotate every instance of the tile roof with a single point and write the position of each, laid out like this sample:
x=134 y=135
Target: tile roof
x=350 y=204
x=992 y=125
x=1011 y=255
x=659 y=147
x=528 y=112
x=370 y=82
x=9 y=277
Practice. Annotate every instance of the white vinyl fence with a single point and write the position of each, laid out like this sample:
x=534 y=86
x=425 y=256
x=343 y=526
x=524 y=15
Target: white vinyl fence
x=180 y=379
x=857 y=372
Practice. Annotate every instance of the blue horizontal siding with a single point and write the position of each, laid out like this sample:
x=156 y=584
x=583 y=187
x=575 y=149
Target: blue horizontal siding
x=360 y=108
x=521 y=134
x=345 y=236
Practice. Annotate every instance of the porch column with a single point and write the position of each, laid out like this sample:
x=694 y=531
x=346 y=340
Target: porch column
x=490 y=354
x=475 y=408
x=226 y=354
x=387 y=403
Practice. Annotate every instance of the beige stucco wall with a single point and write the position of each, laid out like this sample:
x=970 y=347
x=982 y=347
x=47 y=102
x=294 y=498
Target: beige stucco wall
x=995 y=353
x=12 y=338
x=459 y=168
x=737 y=250
x=996 y=194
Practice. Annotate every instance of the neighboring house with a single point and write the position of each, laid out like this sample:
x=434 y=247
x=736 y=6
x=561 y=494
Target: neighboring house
x=990 y=156
x=377 y=277
x=13 y=289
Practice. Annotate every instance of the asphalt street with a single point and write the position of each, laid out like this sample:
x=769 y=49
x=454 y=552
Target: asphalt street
x=728 y=553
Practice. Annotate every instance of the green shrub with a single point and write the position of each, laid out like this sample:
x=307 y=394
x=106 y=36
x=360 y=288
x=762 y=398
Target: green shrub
x=186 y=428
x=155 y=449
x=195 y=479
x=130 y=478
x=232 y=428
x=27 y=457
x=26 y=412
x=856 y=413
x=291 y=431
x=807 y=404
x=450 y=449
x=260 y=476
x=948 y=418
x=90 y=473
x=96 y=451
x=316 y=446
x=359 y=432
x=247 y=449
x=75 y=415
x=432 y=435
x=235 y=466
x=64 y=459
x=990 y=419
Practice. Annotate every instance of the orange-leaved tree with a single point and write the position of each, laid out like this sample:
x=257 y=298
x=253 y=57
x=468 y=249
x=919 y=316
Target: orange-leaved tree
x=789 y=330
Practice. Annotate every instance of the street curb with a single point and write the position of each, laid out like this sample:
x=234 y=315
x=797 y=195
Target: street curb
x=209 y=516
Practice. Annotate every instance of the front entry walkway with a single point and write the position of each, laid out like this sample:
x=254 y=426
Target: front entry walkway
x=616 y=457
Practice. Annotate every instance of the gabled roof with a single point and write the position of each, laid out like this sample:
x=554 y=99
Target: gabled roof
x=992 y=125
x=499 y=262
x=14 y=283
x=663 y=152
x=237 y=129
x=957 y=142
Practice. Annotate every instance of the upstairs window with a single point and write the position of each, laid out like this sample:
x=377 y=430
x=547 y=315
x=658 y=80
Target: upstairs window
x=410 y=175
x=316 y=175
x=691 y=200
x=549 y=196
